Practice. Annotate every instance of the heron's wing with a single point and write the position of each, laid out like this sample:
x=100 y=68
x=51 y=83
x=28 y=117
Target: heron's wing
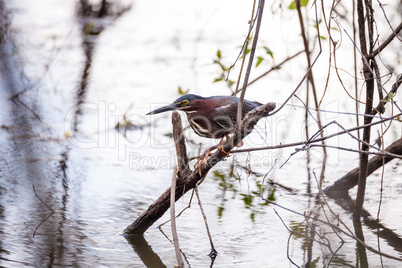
x=226 y=115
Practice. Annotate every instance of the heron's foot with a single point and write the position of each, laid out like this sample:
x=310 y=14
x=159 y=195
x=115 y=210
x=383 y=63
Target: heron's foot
x=204 y=157
x=222 y=150
x=220 y=146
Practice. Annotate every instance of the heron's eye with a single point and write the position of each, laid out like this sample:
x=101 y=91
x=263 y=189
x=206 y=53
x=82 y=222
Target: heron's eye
x=183 y=103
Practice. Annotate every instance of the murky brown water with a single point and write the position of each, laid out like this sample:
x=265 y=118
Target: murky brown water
x=70 y=183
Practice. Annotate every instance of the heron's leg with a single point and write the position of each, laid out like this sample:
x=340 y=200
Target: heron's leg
x=204 y=157
x=220 y=145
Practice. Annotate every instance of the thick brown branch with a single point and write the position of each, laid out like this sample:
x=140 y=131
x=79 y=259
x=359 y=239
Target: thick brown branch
x=341 y=186
x=162 y=204
x=369 y=79
x=188 y=179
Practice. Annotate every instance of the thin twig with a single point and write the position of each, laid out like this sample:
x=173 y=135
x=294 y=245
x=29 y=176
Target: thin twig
x=367 y=65
x=173 y=219
x=288 y=242
x=33 y=186
x=213 y=252
x=280 y=146
x=273 y=68
x=355 y=70
x=381 y=197
x=386 y=42
x=244 y=51
x=170 y=241
x=51 y=210
x=305 y=75
x=181 y=212
x=250 y=62
x=244 y=47
x=263 y=179
x=349 y=233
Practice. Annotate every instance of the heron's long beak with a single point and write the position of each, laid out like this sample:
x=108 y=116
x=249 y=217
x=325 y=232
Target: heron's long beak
x=166 y=108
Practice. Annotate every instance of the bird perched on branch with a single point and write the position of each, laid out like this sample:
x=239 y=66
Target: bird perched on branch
x=211 y=117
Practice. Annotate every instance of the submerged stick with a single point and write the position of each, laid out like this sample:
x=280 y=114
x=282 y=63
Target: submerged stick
x=341 y=186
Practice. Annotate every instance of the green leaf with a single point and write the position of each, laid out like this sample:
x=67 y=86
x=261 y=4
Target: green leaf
x=182 y=92
x=218 y=54
x=292 y=5
x=319 y=22
x=231 y=82
x=268 y=51
x=259 y=60
x=389 y=97
x=323 y=37
x=303 y=3
x=220 y=65
x=220 y=78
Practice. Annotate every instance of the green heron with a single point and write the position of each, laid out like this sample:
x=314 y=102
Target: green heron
x=212 y=117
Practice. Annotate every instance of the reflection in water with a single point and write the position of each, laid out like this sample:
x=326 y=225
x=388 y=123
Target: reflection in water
x=92 y=204
x=361 y=256
x=20 y=169
x=228 y=182
x=34 y=173
x=392 y=238
x=93 y=19
x=312 y=234
x=2 y=251
x=172 y=243
x=144 y=251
